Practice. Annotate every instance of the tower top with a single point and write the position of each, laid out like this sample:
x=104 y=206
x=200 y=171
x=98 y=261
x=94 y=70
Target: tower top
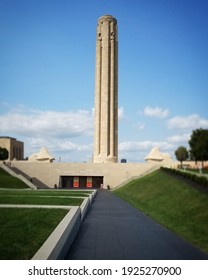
x=108 y=18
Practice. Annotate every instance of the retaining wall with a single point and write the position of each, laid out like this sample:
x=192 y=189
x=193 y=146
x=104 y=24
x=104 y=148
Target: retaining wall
x=60 y=240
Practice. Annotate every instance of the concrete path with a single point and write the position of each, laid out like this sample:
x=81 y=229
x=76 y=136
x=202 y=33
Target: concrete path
x=113 y=230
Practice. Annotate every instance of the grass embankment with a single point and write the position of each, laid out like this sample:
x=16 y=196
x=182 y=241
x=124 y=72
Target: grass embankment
x=45 y=193
x=23 y=231
x=36 y=200
x=171 y=202
x=8 y=181
x=35 y=197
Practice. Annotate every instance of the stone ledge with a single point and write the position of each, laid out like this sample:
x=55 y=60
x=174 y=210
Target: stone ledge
x=86 y=204
x=60 y=240
x=36 y=206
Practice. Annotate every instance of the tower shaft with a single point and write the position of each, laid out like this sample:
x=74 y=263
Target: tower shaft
x=106 y=91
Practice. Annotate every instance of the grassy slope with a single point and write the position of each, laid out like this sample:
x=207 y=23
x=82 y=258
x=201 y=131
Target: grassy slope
x=51 y=192
x=172 y=203
x=23 y=231
x=37 y=200
x=8 y=181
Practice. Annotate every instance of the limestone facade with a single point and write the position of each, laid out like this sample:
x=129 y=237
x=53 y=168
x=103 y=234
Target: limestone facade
x=113 y=174
x=106 y=92
x=13 y=146
x=42 y=155
x=156 y=156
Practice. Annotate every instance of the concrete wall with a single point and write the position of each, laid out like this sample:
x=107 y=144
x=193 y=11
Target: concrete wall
x=114 y=173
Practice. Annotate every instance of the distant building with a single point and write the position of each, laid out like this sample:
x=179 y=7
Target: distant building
x=13 y=146
x=42 y=156
x=156 y=156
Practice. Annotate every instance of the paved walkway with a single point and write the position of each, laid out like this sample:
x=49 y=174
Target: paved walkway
x=113 y=230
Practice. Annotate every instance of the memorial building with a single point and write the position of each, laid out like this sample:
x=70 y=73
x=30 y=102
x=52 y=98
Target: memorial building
x=104 y=170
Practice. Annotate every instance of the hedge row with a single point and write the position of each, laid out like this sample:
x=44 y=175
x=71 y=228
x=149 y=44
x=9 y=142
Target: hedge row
x=201 y=180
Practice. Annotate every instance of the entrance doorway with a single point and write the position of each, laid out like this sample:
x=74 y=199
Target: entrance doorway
x=81 y=182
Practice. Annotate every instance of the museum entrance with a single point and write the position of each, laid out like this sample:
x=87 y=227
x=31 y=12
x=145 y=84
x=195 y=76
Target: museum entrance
x=81 y=182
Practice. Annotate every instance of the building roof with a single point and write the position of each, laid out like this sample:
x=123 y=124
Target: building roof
x=42 y=155
x=7 y=137
x=156 y=155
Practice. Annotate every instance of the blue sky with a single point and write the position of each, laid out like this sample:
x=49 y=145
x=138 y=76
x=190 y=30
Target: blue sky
x=47 y=71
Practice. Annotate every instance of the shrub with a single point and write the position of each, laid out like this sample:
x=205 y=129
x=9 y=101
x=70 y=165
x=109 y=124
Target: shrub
x=192 y=177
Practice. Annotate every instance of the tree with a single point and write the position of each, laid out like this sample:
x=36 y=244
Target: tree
x=181 y=154
x=4 y=154
x=199 y=145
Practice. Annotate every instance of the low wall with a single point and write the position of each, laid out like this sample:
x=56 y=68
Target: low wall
x=60 y=240
x=58 y=243
x=114 y=173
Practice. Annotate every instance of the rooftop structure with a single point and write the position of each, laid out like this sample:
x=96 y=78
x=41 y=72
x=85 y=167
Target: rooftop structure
x=13 y=146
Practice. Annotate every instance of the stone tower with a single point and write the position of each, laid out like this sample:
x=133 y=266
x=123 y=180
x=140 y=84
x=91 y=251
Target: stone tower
x=106 y=91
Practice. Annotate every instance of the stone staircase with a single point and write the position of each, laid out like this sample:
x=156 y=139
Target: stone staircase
x=32 y=182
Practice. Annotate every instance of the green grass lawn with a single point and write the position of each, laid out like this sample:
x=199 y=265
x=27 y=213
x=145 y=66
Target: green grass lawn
x=39 y=197
x=171 y=202
x=8 y=181
x=51 y=192
x=36 y=200
x=23 y=231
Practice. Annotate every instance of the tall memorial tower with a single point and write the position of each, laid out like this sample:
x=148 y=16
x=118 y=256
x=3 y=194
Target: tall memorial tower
x=106 y=91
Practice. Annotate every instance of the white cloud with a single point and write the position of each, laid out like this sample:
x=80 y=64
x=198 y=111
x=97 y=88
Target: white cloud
x=156 y=112
x=187 y=122
x=47 y=123
x=70 y=146
x=35 y=143
x=139 y=126
x=59 y=148
x=51 y=129
x=120 y=113
x=179 y=138
x=128 y=146
x=56 y=131
x=57 y=145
